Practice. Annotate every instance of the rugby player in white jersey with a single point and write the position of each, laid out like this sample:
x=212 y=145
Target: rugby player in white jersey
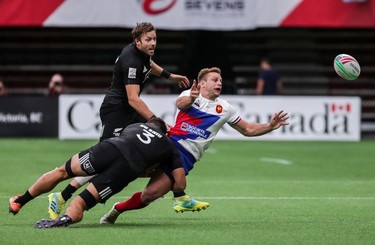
x=200 y=116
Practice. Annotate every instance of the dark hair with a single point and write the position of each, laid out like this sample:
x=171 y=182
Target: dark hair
x=159 y=123
x=142 y=28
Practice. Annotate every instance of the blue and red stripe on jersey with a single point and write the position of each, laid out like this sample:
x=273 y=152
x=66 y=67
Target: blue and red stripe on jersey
x=191 y=124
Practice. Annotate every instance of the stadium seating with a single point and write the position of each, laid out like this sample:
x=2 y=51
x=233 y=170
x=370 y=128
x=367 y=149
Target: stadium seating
x=85 y=56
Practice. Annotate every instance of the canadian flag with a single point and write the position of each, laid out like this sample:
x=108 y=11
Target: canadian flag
x=340 y=107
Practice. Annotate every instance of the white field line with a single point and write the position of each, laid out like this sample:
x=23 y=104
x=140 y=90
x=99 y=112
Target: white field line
x=242 y=181
x=275 y=160
x=248 y=198
x=287 y=198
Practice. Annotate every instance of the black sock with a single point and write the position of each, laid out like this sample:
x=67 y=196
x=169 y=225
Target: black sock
x=25 y=198
x=179 y=193
x=68 y=192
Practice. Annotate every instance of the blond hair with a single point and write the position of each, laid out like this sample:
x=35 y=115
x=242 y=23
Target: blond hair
x=203 y=73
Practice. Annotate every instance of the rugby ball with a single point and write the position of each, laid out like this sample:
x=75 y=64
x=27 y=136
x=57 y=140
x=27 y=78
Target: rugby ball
x=347 y=67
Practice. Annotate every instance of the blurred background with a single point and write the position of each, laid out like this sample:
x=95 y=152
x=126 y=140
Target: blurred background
x=80 y=40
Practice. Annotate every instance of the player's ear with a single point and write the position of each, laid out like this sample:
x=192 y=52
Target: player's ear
x=199 y=86
x=137 y=41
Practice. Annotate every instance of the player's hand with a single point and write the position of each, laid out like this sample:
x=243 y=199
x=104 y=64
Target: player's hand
x=278 y=119
x=194 y=91
x=168 y=127
x=182 y=81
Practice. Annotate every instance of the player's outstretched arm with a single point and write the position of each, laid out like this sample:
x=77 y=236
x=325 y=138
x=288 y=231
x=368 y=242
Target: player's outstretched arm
x=256 y=129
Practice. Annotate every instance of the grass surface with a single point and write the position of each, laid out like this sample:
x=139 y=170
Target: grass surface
x=259 y=193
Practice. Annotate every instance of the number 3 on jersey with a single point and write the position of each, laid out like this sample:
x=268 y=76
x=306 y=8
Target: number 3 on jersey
x=145 y=138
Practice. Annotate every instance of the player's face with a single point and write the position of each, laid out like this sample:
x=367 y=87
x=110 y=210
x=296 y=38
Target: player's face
x=147 y=43
x=212 y=85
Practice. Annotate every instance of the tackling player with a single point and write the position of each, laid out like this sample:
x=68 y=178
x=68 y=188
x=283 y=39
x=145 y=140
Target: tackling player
x=200 y=116
x=116 y=162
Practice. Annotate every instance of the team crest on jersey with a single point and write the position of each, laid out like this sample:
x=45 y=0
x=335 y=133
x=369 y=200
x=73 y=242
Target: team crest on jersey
x=132 y=73
x=219 y=109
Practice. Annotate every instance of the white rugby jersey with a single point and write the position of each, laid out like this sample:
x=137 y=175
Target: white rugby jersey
x=196 y=127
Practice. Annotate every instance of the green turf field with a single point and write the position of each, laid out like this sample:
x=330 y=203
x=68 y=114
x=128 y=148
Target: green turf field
x=259 y=192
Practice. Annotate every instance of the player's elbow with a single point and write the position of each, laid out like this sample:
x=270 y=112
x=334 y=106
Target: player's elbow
x=184 y=104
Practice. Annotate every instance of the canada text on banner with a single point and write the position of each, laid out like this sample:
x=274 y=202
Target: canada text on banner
x=224 y=15
x=311 y=118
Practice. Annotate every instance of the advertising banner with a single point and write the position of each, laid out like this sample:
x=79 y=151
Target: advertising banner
x=311 y=118
x=79 y=116
x=28 y=116
x=189 y=14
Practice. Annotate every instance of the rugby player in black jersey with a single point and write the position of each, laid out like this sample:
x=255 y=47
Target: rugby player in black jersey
x=116 y=162
x=122 y=104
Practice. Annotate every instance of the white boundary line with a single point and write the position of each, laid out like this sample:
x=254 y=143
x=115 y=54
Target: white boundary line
x=249 y=198
x=275 y=160
x=287 y=198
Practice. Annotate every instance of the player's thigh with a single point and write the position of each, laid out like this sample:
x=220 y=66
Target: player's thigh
x=114 y=179
x=98 y=158
x=75 y=166
x=94 y=160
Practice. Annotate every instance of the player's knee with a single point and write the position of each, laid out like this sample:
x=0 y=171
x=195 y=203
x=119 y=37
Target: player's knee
x=75 y=210
x=59 y=173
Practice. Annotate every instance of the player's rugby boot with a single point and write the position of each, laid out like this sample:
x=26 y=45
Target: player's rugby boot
x=14 y=207
x=111 y=216
x=63 y=221
x=55 y=205
x=186 y=203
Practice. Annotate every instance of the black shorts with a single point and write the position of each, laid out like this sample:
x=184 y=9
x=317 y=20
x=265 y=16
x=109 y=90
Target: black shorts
x=114 y=173
x=115 y=118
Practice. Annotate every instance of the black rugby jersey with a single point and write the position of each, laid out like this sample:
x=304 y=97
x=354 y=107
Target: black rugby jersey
x=143 y=146
x=131 y=67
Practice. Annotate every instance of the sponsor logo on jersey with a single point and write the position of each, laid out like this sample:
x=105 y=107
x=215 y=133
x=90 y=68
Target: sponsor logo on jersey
x=219 y=109
x=132 y=73
x=195 y=130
